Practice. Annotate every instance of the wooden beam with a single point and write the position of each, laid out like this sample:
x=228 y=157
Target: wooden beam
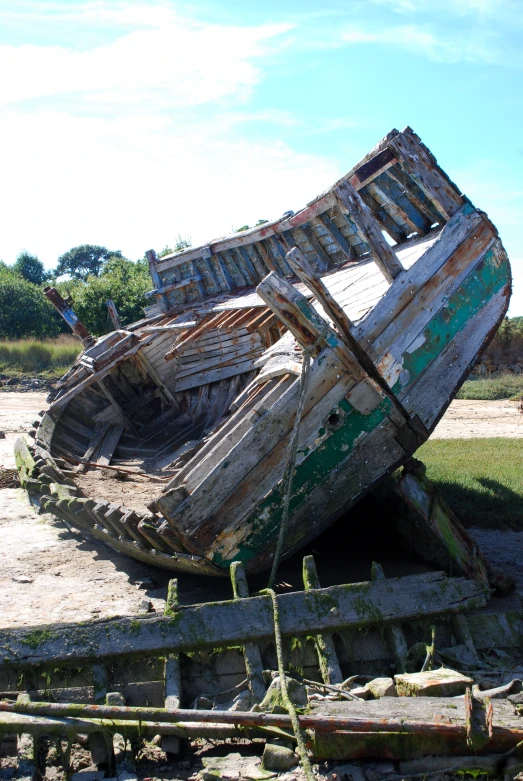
x=251 y=652
x=172 y=675
x=382 y=254
x=213 y=624
x=327 y=657
x=63 y=308
x=337 y=235
x=113 y=314
x=163 y=303
x=422 y=167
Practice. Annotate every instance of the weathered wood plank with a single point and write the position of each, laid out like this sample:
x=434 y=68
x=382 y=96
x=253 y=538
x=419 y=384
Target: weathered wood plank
x=422 y=167
x=328 y=659
x=360 y=213
x=172 y=674
x=235 y=621
x=337 y=235
x=251 y=652
x=109 y=445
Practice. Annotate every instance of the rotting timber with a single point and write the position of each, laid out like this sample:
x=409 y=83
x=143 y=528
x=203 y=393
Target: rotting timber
x=205 y=671
x=168 y=439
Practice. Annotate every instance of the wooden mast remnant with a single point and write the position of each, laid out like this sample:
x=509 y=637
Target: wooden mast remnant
x=113 y=314
x=62 y=306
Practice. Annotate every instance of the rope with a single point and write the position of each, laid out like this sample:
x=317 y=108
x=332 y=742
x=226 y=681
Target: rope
x=298 y=733
x=288 y=474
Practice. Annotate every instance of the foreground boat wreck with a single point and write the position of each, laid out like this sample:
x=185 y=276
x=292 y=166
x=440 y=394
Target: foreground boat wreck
x=351 y=656
x=229 y=408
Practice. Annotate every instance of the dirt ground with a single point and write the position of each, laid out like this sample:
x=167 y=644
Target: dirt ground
x=476 y=419
x=48 y=573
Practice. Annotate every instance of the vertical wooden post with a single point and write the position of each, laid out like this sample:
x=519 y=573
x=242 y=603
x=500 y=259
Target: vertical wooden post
x=327 y=657
x=124 y=767
x=172 y=676
x=100 y=745
x=113 y=314
x=27 y=751
x=394 y=633
x=61 y=306
x=251 y=652
x=162 y=301
x=382 y=254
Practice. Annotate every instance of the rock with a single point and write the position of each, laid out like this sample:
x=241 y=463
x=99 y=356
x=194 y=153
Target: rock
x=346 y=772
x=516 y=368
x=432 y=683
x=273 y=698
x=382 y=687
x=143 y=583
x=88 y=775
x=146 y=607
x=278 y=757
x=2 y=434
x=22 y=579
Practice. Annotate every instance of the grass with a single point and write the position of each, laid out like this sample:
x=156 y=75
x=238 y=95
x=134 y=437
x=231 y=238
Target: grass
x=508 y=386
x=49 y=358
x=481 y=479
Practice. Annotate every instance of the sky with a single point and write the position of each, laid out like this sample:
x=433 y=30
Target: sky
x=128 y=123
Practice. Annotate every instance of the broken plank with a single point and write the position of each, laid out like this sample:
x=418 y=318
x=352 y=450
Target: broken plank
x=109 y=445
x=237 y=621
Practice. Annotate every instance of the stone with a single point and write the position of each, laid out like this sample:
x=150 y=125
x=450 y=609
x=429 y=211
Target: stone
x=22 y=579
x=382 y=687
x=278 y=757
x=12 y=381
x=273 y=698
x=346 y=772
x=88 y=775
x=432 y=683
x=2 y=434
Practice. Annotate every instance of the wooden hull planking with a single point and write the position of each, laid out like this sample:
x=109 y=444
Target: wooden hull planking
x=156 y=398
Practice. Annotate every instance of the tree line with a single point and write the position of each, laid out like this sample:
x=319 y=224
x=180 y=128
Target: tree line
x=88 y=275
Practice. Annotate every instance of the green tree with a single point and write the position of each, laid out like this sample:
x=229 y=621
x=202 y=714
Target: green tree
x=24 y=310
x=180 y=243
x=30 y=268
x=84 y=261
x=122 y=280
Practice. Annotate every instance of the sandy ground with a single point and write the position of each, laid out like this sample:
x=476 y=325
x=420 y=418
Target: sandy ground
x=48 y=573
x=475 y=419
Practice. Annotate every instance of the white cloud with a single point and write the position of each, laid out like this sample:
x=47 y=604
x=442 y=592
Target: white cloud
x=464 y=45
x=137 y=182
x=186 y=62
x=459 y=7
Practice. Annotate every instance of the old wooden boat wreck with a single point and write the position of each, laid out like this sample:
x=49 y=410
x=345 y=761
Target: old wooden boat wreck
x=282 y=371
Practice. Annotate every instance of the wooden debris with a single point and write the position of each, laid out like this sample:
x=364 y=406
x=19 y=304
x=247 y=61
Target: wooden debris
x=251 y=620
x=63 y=308
x=428 y=525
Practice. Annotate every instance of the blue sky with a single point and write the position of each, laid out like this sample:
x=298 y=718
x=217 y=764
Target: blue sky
x=127 y=123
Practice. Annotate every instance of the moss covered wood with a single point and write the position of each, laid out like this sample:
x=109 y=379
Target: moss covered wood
x=246 y=620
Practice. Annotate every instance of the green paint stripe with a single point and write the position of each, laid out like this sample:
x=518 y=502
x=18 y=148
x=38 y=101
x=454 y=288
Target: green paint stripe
x=478 y=287
x=484 y=281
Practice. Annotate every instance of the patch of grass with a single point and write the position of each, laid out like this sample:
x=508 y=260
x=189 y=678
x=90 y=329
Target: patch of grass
x=481 y=479
x=508 y=386
x=49 y=358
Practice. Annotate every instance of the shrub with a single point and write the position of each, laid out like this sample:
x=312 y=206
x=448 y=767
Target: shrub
x=509 y=386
